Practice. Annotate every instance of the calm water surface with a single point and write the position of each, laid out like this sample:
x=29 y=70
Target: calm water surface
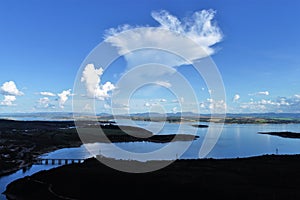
x=236 y=140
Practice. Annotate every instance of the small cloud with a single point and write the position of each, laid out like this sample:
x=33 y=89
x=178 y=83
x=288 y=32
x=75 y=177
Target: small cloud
x=10 y=91
x=44 y=102
x=106 y=106
x=147 y=104
x=266 y=93
x=297 y=96
x=181 y=99
x=8 y=100
x=209 y=100
x=87 y=108
x=162 y=100
x=218 y=106
x=49 y=94
x=214 y=106
x=10 y=88
x=163 y=83
x=202 y=105
x=63 y=97
x=236 y=98
x=174 y=110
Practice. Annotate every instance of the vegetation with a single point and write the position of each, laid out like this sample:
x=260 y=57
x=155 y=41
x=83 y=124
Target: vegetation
x=263 y=177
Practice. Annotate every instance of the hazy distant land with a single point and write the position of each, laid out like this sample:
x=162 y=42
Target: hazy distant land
x=250 y=118
x=241 y=118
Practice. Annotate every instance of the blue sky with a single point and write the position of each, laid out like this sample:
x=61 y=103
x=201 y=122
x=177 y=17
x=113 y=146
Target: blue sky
x=44 y=43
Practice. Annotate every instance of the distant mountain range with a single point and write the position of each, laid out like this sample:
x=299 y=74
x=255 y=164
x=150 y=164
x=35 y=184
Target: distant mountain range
x=69 y=115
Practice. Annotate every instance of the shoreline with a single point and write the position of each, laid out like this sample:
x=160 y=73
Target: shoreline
x=30 y=163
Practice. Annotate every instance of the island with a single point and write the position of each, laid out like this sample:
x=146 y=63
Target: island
x=285 y=134
x=200 y=125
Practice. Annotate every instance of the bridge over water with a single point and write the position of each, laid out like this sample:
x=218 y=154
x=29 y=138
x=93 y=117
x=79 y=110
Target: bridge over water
x=57 y=161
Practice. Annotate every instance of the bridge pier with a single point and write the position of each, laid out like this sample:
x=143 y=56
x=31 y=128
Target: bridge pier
x=55 y=161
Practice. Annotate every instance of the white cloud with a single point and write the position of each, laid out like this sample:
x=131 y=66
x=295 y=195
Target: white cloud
x=10 y=91
x=106 y=106
x=266 y=93
x=87 y=108
x=260 y=106
x=44 y=102
x=198 y=27
x=10 y=88
x=282 y=104
x=202 y=105
x=147 y=104
x=283 y=101
x=174 y=110
x=209 y=100
x=63 y=97
x=213 y=106
x=181 y=99
x=192 y=38
x=236 y=97
x=217 y=106
x=164 y=84
x=92 y=79
x=268 y=102
x=8 y=100
x=50 y=94
x=162 y=100
x=297 y=96
x=108 y=86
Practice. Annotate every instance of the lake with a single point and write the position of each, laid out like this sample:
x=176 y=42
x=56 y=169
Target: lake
x=236 y=140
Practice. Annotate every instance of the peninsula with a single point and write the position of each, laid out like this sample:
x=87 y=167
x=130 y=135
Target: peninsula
x=21 y=142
